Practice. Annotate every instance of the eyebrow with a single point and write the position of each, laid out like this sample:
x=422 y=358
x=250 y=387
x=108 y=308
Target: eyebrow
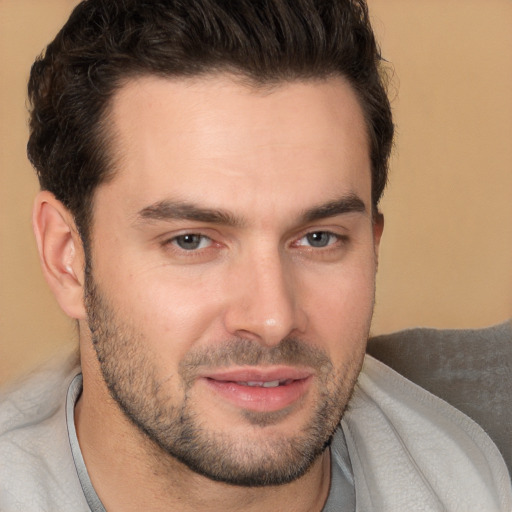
x=168 y=210
x=347 y=204
x=182 y=210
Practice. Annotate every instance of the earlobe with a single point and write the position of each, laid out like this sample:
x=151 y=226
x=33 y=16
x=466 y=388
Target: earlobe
x=60 y=252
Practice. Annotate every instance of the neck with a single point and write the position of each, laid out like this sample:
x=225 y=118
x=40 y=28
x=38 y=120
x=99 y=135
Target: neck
x=129 y=472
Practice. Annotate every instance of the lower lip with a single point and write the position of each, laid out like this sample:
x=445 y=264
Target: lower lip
x=258 y=398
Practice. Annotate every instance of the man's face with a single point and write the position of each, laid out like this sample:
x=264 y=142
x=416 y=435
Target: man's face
x=233 y=261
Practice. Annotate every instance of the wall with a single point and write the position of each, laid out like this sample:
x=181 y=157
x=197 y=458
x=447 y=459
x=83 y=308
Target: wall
x=446 y=258
x=446 y=252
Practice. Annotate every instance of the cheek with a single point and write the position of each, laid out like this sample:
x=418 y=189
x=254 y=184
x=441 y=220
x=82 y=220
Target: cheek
x=341 y=310
x=169 y=310
x=345 y=305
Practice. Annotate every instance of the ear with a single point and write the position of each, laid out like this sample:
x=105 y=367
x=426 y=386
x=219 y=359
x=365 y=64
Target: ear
x=378 y=228
x=60 y=253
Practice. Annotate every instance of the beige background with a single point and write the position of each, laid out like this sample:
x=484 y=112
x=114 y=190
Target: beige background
x=446 y=252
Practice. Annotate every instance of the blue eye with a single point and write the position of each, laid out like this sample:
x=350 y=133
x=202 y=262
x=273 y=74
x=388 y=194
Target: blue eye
x=191 y=241
x=319 y=239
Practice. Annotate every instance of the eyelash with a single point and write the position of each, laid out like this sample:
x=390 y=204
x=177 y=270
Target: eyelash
x=335 y=241
x=203 y=238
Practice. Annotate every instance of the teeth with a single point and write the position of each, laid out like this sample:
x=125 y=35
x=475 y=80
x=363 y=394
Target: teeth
x=269 y=384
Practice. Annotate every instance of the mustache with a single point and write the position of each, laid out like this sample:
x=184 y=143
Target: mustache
x=244 y=352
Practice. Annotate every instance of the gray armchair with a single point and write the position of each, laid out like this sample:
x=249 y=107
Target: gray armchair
x=470 y=369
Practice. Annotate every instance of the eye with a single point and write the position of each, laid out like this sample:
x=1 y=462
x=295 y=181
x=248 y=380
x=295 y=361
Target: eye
x=319 y=239
x=191 y=241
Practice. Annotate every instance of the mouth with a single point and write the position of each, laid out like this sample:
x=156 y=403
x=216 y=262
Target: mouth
x=266 y=384
x=260 y=390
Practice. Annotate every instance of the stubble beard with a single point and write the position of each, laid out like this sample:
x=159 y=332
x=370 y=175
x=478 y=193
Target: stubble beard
x=176 y=430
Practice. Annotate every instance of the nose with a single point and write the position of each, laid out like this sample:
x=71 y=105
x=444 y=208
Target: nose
x=265 y=300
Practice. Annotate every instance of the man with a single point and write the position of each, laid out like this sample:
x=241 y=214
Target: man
x=210 y=175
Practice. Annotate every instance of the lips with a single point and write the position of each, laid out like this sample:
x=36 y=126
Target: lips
x=260 y=390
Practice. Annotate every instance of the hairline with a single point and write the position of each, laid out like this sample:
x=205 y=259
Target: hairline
x=106 y=132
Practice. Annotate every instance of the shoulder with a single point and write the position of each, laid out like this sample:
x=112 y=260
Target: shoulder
x=408 y=446
x=468 y=368
x=36 y=396
x=36 y=467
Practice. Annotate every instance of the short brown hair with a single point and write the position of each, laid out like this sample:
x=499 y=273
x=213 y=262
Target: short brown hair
x=104 y=42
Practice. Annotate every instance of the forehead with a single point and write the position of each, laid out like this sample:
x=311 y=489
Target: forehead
x=207 y=136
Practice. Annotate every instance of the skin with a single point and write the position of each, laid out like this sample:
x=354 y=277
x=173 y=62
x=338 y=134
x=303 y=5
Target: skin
x=270 y=160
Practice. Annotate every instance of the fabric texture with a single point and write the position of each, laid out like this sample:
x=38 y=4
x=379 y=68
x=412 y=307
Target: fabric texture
x=36 y=468
x=74 y=392
x=408 y=450
x=469 y=368
x=411 y=451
